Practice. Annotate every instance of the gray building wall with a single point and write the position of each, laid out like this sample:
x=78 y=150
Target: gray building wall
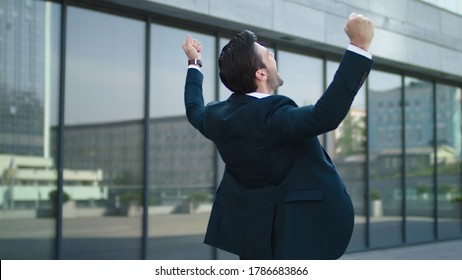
x=410 y=34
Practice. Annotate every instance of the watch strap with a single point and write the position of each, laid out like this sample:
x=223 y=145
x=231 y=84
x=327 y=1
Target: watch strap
x=195 y=61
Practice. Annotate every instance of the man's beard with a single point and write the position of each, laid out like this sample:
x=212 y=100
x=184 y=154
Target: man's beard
x=280 y=80
x=275 y=80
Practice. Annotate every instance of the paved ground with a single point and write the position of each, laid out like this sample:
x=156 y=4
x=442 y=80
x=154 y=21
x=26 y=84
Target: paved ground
x=176 y=236
x=442 y=250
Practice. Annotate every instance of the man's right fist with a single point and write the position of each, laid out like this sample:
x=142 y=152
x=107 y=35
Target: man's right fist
x=192 y=48
x=360 y=30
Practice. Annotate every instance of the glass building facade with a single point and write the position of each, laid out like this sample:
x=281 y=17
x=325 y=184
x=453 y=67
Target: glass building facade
x=98 y=161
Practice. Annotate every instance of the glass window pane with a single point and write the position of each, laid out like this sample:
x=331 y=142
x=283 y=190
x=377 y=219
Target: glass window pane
x=103 y=136
x=302 y=75
x=418 y=108
x=181 y=159
x=304 y=85
x=385 y=159
x=28 y=118
x=347 y=148
x=449 y=158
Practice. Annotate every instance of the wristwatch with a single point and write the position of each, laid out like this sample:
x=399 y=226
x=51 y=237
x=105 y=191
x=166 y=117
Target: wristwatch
x=197 y=62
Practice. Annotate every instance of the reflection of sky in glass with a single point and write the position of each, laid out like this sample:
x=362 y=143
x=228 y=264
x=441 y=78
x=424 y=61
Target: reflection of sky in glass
x=169 y=66
x=105 y=64
x=384 y=81
x=302 y=77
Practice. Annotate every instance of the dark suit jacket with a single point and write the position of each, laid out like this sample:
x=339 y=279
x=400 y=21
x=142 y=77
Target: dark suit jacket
x=281 y=196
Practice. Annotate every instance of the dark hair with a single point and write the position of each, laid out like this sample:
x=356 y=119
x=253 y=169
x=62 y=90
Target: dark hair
x=238 y=63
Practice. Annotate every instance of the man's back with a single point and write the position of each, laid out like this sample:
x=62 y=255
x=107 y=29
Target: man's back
x=281 y=196
x=276 y=193
x=240 y=129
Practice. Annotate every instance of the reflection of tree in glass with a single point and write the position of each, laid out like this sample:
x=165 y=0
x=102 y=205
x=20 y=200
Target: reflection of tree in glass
x=352 y=135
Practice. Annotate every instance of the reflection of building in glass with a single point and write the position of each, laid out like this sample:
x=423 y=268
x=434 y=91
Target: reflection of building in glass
x=27 y=172
x=27 y=181
x=386 y=124
x=449 y=119
x=112 y=154
x=181 y=160
x=22 y=80
x=115 y=148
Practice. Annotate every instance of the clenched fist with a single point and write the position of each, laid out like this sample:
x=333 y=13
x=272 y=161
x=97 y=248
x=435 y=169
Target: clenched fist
x=360 y=30
x=192 y=48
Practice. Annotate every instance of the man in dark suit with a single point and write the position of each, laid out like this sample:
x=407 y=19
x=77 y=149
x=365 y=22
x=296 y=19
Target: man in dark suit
x=281 y=196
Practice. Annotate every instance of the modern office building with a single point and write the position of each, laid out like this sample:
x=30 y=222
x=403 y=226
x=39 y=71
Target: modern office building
x=98 y=161
x=22 y=81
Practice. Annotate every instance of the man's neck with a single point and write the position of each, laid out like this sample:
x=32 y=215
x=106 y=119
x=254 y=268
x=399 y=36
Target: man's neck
x=264 y=89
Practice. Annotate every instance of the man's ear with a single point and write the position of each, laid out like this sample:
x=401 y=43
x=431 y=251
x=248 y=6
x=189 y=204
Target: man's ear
x=261 y=74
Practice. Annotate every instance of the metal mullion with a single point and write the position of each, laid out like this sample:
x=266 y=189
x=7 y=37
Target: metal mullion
x=435 y=163
x=146 y=131
x=368 y=175
x=403 y=160
x=60 y=148
x=216 y=162
x=324 y=88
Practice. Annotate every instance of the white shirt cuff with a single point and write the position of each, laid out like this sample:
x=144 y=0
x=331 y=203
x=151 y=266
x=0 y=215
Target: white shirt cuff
x=359 y=51
x=194 y=66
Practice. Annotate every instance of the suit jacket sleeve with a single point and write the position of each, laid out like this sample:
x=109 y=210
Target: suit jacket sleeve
x=194 y=99
x=289 y=122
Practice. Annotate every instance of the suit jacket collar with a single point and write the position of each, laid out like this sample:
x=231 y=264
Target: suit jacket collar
x=241 y=98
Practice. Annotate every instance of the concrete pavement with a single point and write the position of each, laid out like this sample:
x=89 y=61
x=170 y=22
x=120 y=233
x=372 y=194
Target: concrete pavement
x=442 y=250
x=176 y=236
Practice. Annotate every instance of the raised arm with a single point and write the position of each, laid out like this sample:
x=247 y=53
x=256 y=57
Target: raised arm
x=291 y=123
x=193 y=96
